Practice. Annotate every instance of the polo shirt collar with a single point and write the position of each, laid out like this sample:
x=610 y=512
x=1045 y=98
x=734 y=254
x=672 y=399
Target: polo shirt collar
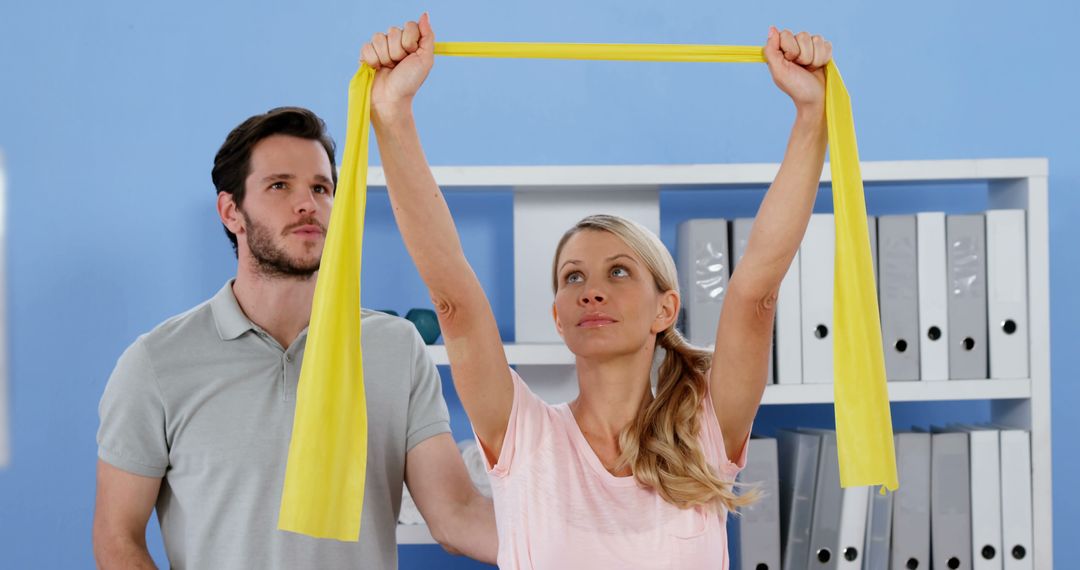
x=228 y=316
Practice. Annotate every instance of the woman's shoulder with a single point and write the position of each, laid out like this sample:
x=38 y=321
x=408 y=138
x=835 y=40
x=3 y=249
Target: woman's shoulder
x=530 y=404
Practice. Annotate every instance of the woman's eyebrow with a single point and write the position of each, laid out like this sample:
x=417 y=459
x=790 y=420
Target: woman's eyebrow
x=618 y=255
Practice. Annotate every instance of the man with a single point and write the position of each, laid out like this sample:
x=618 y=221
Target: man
x=197 y=416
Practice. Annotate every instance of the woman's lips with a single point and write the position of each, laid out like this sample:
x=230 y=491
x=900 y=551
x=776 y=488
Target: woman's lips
x=595 y=320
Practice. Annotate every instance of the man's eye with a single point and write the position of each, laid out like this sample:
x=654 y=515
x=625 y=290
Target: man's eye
x=322 y=189
x=278 y=186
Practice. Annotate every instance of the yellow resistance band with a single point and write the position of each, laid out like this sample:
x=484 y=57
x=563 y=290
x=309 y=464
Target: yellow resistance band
x=324 y=481
x=323 y=494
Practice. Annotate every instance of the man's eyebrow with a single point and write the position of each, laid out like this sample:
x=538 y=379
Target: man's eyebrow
x=281 y=176
x=324 y=179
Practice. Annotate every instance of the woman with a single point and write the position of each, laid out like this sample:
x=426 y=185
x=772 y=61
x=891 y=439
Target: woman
x=618 y=477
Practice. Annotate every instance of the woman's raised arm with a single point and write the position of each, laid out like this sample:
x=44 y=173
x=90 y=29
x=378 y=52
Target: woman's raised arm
x=402 y=59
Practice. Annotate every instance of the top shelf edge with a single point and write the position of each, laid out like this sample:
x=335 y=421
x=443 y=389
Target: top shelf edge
x=523 y=178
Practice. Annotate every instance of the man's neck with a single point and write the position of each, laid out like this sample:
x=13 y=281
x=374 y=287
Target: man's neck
x=281 y=306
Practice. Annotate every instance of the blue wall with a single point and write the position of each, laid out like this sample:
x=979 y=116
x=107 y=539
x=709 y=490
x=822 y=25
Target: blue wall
x=110 y=113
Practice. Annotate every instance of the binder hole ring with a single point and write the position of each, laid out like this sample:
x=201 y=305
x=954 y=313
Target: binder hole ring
x=933 y=333
x=1009 y=326
x=761 y=566
x=901 y=345
x=1019 y=552
x=953 y=563
x=969 y=343
x=821 y=331
x=851 y=553
x=824 y=555
x=912 y=563
x=988 y=552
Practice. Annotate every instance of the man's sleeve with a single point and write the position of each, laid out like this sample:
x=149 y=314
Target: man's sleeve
x=428 y=415
x=132 y=431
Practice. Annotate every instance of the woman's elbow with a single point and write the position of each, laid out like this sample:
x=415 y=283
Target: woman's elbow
x=441 y=535
x=761 y=296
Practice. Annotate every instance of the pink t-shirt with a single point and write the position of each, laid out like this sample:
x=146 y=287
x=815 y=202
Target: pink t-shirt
x=557 y=507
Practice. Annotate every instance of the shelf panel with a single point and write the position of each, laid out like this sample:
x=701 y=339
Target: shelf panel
x=524 y=353
x=414 y=534
x=916 y=391
x=619 y=177
x=559 y=355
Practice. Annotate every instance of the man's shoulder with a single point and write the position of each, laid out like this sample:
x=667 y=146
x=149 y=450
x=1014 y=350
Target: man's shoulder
x=167 y=345
x=192 y=325
x=384 y=329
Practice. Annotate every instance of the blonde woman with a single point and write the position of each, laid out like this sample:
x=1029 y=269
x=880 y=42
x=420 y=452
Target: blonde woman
x=619 y=477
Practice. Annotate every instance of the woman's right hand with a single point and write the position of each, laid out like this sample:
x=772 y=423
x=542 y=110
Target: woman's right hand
x=402 y=59
x=797 y=64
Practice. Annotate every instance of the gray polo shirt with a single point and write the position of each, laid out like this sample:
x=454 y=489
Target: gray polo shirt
x=206 y=401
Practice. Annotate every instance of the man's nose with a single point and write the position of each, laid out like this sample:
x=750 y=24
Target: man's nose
x=306 y=203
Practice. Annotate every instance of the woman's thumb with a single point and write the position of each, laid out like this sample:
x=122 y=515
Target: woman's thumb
x=772 y=47
x=427 y=35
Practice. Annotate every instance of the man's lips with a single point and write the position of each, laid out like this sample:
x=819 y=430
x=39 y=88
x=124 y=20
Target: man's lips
x=309 y=231
x=594 y=320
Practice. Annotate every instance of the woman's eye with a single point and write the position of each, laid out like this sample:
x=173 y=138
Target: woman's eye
x=278 y=186
x=574 y=277
x=619 y=272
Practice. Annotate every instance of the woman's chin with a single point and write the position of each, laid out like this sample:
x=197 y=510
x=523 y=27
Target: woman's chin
x=595 y=346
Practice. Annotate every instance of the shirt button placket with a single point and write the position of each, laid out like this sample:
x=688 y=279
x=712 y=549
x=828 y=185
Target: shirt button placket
x=285 y=360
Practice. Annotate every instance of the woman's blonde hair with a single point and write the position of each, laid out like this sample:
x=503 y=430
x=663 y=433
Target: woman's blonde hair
x=662 y=445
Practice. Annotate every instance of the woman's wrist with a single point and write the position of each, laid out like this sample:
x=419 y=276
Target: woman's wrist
x=810 y=116
x=389 y=114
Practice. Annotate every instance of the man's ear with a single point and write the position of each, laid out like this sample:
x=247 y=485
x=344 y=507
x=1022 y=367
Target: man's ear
x=667 y=311
x=229 y=213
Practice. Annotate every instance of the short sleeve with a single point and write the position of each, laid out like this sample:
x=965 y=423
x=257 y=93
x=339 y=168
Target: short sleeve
x=528 y=416
x=428 y=415
x=713 y=440
x=131 y=435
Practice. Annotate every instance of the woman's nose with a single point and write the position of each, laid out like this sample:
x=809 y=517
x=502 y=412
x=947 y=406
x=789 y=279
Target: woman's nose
x=593 y=297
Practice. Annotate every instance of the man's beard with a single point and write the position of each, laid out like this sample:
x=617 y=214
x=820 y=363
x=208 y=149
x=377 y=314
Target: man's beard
x=272 y=260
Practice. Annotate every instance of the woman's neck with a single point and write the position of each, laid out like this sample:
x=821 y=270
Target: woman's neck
x=611 y=393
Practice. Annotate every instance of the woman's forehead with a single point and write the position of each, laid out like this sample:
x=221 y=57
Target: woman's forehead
x=594 y=245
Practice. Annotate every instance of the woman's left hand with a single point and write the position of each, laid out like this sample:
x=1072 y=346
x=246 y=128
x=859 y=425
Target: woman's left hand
x=797 y=64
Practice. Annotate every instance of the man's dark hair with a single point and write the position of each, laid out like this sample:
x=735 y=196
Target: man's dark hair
x=232 y=164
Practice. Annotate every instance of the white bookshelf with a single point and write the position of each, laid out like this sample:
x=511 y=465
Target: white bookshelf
x=548 y=199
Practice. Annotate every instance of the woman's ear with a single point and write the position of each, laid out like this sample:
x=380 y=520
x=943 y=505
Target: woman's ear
x=555 y=315
x=667 y=311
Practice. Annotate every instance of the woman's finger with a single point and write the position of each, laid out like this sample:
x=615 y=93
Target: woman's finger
x=382 y=49
x=368 y=56
x=393 y=42
x=822 y=52
x=410 y=37
x=788 y=45
x=806 y=49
